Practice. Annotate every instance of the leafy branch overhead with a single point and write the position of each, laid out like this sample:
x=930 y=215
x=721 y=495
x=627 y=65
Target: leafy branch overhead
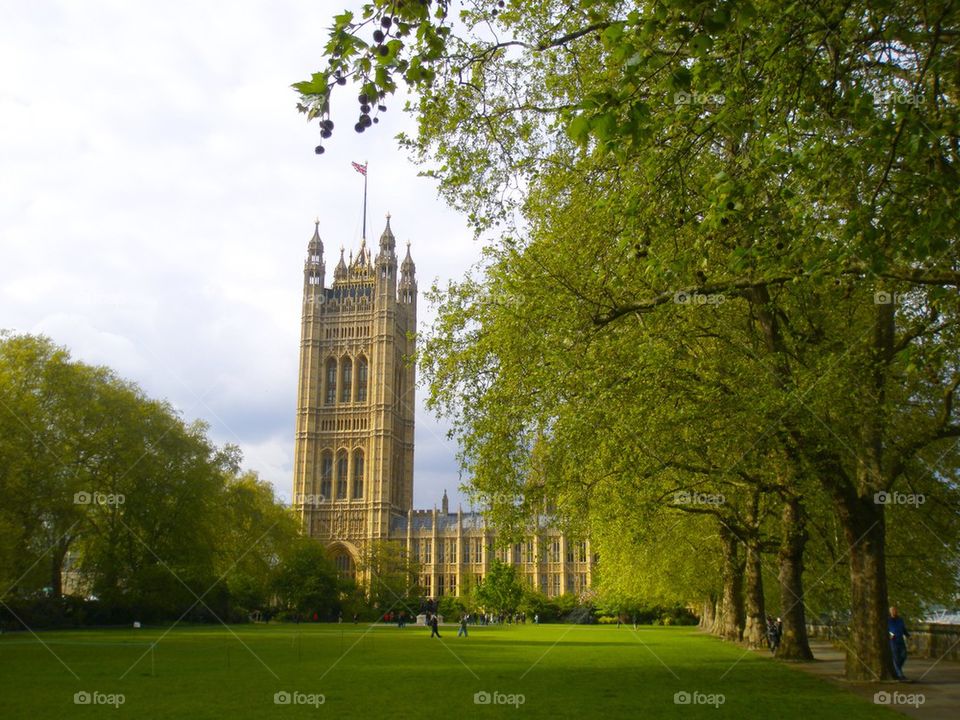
x=402 y=39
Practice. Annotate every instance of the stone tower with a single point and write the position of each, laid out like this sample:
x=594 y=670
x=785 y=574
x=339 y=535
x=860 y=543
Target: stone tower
x=353 y=456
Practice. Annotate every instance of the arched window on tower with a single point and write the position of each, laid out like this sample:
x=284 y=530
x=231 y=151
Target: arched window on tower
x=357 y=474
x=330 y=392
x=342 y=475
x=346 y=379
x=362 y=372
x=326 y=474
x=344 y=564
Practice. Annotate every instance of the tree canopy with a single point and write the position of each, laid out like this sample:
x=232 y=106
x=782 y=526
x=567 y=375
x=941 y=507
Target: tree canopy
x=720 y=263
x=112 y=498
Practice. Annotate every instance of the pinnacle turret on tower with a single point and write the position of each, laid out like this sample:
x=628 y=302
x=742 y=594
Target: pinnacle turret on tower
x=388 y=242
x=314 y=270
x=340 y=272
x=407 y=267
x=407 y=289
x=386 y=265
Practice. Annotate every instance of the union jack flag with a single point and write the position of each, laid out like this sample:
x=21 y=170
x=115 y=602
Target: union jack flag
x=362 y=169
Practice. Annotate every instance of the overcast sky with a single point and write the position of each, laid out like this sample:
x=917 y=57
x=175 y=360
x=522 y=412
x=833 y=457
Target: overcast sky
x=157 y=192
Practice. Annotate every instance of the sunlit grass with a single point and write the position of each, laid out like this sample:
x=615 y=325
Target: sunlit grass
x=358 y=671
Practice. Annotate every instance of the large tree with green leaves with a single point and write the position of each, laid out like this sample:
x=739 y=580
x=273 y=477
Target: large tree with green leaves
x=150 y=517
x=800 y=162
x=500 y=591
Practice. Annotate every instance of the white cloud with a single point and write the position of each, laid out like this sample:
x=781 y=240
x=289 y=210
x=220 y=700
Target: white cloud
x=157 y=190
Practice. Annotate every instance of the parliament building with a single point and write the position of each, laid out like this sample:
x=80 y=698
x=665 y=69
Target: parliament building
x=353 y=458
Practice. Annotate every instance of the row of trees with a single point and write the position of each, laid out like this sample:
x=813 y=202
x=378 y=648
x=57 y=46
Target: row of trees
x=110 y=496
x=115 y=510
x=716 y=322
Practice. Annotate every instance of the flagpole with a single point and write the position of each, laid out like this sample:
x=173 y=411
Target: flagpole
x=362 y=169
x=364 y=199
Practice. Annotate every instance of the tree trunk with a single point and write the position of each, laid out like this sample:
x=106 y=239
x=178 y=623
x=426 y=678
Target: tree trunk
x=58 y=554
x=868 y=651
x=709 y=614
x=731 y=618
x=755 y=630
x=755 y=625
x=56 y=575
x=794 y=644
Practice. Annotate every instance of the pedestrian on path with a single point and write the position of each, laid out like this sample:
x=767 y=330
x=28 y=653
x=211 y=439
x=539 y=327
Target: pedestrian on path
x=897 y=629
x=433 y=627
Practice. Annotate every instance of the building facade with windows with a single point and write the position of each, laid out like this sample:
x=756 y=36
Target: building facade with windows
x=353 y=457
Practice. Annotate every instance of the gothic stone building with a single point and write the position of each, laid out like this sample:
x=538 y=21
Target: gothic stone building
x=353 y=463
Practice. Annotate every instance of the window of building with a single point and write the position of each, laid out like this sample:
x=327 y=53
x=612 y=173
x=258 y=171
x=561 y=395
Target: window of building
x=556 y=584
x=452 y=553
x=530 y=552
x=583 y=581
x=362 y=371
x=326 y=474
x=330 y=393
x=425 y=585
x=569 y=553
x=346 y=379
x=439 y=585
x=478 y=551
x=342 y=475
x=428 y=551
x=440 y=551
x=466 y=551
x=358 y=474
x=555 y=551
x=344 y=565
x=581 y=552
x=452 y=584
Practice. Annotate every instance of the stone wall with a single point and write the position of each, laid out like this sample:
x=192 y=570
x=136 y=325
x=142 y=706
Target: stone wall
x=928 y=640
x=935 y=640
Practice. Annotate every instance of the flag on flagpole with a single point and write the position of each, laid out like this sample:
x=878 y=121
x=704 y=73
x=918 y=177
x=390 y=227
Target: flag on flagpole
x=362 y=169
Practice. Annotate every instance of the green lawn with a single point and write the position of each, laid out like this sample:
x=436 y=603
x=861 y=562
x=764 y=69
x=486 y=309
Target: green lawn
x=560 y=670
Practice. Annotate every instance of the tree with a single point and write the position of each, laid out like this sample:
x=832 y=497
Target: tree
x=307 y=581
x=394 y=578
x=255 y=536
x=799 y=162
x=155 y=521
x=500 y=591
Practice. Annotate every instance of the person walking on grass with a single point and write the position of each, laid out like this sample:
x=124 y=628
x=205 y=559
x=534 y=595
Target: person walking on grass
x=898 y=632
x=463 y=627
x=774 y=633
x=433 y=627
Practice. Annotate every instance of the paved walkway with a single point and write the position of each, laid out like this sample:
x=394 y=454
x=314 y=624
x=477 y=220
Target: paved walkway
x=933 y=694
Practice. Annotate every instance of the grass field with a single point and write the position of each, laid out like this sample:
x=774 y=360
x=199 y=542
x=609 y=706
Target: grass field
x=357 y=671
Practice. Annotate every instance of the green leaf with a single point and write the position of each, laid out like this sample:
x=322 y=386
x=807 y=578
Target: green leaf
x=700 y=45
x=579 y=128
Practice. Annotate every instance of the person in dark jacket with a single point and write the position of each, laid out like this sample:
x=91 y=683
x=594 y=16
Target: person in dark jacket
x=433 y=627
x=897 y=629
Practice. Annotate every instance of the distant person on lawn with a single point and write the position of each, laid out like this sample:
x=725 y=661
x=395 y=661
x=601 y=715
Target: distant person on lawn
x=898 y=643
x=774 y=633
x=433 y=627
x=463 y=626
